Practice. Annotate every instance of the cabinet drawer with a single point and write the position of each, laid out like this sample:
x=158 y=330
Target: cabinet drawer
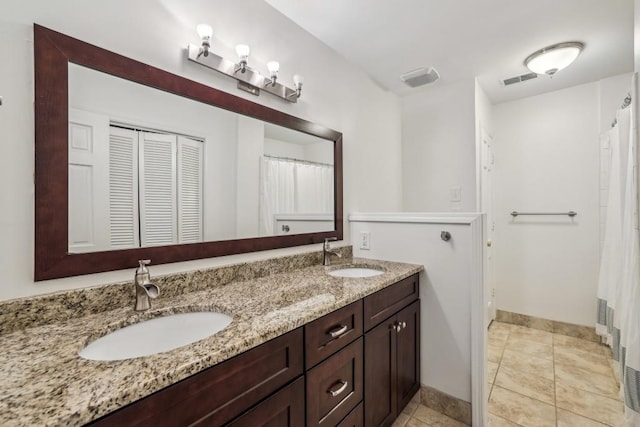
x=390 y=300
x=219 y=394
x=283 y=409
x=330 y=333
x=355 y=418
x=334 y=387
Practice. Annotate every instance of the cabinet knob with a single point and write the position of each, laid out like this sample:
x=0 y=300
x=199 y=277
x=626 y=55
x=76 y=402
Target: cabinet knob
x=404 y=324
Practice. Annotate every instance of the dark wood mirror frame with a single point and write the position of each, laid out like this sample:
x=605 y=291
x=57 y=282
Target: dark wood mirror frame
x=53 y=51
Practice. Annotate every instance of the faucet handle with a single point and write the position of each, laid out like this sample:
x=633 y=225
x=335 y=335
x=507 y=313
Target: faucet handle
x=142 y=267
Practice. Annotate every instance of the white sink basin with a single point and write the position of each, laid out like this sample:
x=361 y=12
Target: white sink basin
x=352 y=272
x=156 y=336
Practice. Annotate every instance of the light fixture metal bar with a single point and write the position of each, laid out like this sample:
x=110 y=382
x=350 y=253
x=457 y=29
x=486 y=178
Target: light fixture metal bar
x=250 y=77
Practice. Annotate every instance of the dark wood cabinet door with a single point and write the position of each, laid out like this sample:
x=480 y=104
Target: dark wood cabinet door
x=380 y=395
x=283 y=409
x=408 y=354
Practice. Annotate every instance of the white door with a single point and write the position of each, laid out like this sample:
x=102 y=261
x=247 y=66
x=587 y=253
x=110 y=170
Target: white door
x=486 y=201
x=88 y=182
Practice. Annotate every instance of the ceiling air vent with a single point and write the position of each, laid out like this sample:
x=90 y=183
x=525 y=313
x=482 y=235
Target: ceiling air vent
x=519 y=79
x=419 y=77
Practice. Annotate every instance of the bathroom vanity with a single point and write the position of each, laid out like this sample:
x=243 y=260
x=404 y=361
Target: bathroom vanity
x=266 y=385
x=303 y=348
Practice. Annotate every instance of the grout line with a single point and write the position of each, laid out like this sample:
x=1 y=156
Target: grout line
x=589 y=418
x=555 y=405
x=506 y=419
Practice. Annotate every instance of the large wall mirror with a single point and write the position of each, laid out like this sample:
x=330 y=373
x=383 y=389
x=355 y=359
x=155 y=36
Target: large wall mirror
x=133 y=162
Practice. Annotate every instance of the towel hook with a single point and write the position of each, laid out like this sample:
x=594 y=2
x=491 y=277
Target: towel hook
x=445 y=235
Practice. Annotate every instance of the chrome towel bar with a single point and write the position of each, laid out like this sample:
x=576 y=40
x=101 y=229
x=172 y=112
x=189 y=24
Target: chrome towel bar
x=570 y=213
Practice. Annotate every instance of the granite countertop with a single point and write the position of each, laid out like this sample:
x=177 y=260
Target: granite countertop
x=45 y=382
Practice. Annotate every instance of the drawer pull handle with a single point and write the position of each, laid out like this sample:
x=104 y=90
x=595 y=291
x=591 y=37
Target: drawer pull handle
x=338 y=330
x=338 y=388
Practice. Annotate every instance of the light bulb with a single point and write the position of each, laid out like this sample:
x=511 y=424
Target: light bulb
x=298 y=80
x=273 y=67
x=204 y=31
x=243 y=51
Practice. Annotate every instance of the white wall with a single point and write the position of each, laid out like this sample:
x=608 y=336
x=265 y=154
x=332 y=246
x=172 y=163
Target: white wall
x=250 y=150
x=484 y=123
x=336 y=94
x=546 y=160
x=445 y=286
x=438 y=148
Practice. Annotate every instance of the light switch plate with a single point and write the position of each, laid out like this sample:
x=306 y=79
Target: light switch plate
x=365 y=240
x=455 y=194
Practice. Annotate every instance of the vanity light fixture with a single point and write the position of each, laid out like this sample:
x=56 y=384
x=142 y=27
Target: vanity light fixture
x=248 y=79
x=273 y=67
x=554 y=58
x=205 y=32
x=243 y=55
x=298 y=80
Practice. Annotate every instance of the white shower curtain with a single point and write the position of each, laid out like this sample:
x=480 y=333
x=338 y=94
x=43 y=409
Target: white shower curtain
x=619 y=280
x=289 y=186
x=277 y=191
x=314 y=188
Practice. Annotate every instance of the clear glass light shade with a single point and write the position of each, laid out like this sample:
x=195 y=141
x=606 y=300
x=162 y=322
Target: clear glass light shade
x=273 y=67
x=243 y=51
x=298 y=80
x=204 y=31
x=552 y=59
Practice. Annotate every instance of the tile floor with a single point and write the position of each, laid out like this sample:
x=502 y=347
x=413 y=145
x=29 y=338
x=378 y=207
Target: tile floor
x=538 y=378
x=418 y=415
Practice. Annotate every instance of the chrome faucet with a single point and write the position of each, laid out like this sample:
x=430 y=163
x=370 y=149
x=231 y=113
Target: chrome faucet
x=327 y=252
x=145 y=290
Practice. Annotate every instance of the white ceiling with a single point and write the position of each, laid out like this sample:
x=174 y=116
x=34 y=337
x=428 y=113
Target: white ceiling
x=487 y=39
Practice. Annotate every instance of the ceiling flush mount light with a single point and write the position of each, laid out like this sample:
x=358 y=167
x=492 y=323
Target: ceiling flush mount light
x=248 y=79
x=553 y=58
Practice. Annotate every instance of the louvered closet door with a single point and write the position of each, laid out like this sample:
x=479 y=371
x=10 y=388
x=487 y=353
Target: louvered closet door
x=123 y=188
x=190 y=154
x=158 y=199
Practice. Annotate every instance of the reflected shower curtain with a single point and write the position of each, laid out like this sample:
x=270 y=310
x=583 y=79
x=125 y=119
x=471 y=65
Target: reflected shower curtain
x=289 y=186
x=314 y=188
x=619 y=280
x=277 y=191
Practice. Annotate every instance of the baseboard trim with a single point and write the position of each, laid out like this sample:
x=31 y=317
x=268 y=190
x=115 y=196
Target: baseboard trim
x=562 y=328
x=452 y=407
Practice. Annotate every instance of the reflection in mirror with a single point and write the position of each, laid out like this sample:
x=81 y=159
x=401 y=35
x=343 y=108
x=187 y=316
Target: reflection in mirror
x=150 y=168
x=133 y=162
